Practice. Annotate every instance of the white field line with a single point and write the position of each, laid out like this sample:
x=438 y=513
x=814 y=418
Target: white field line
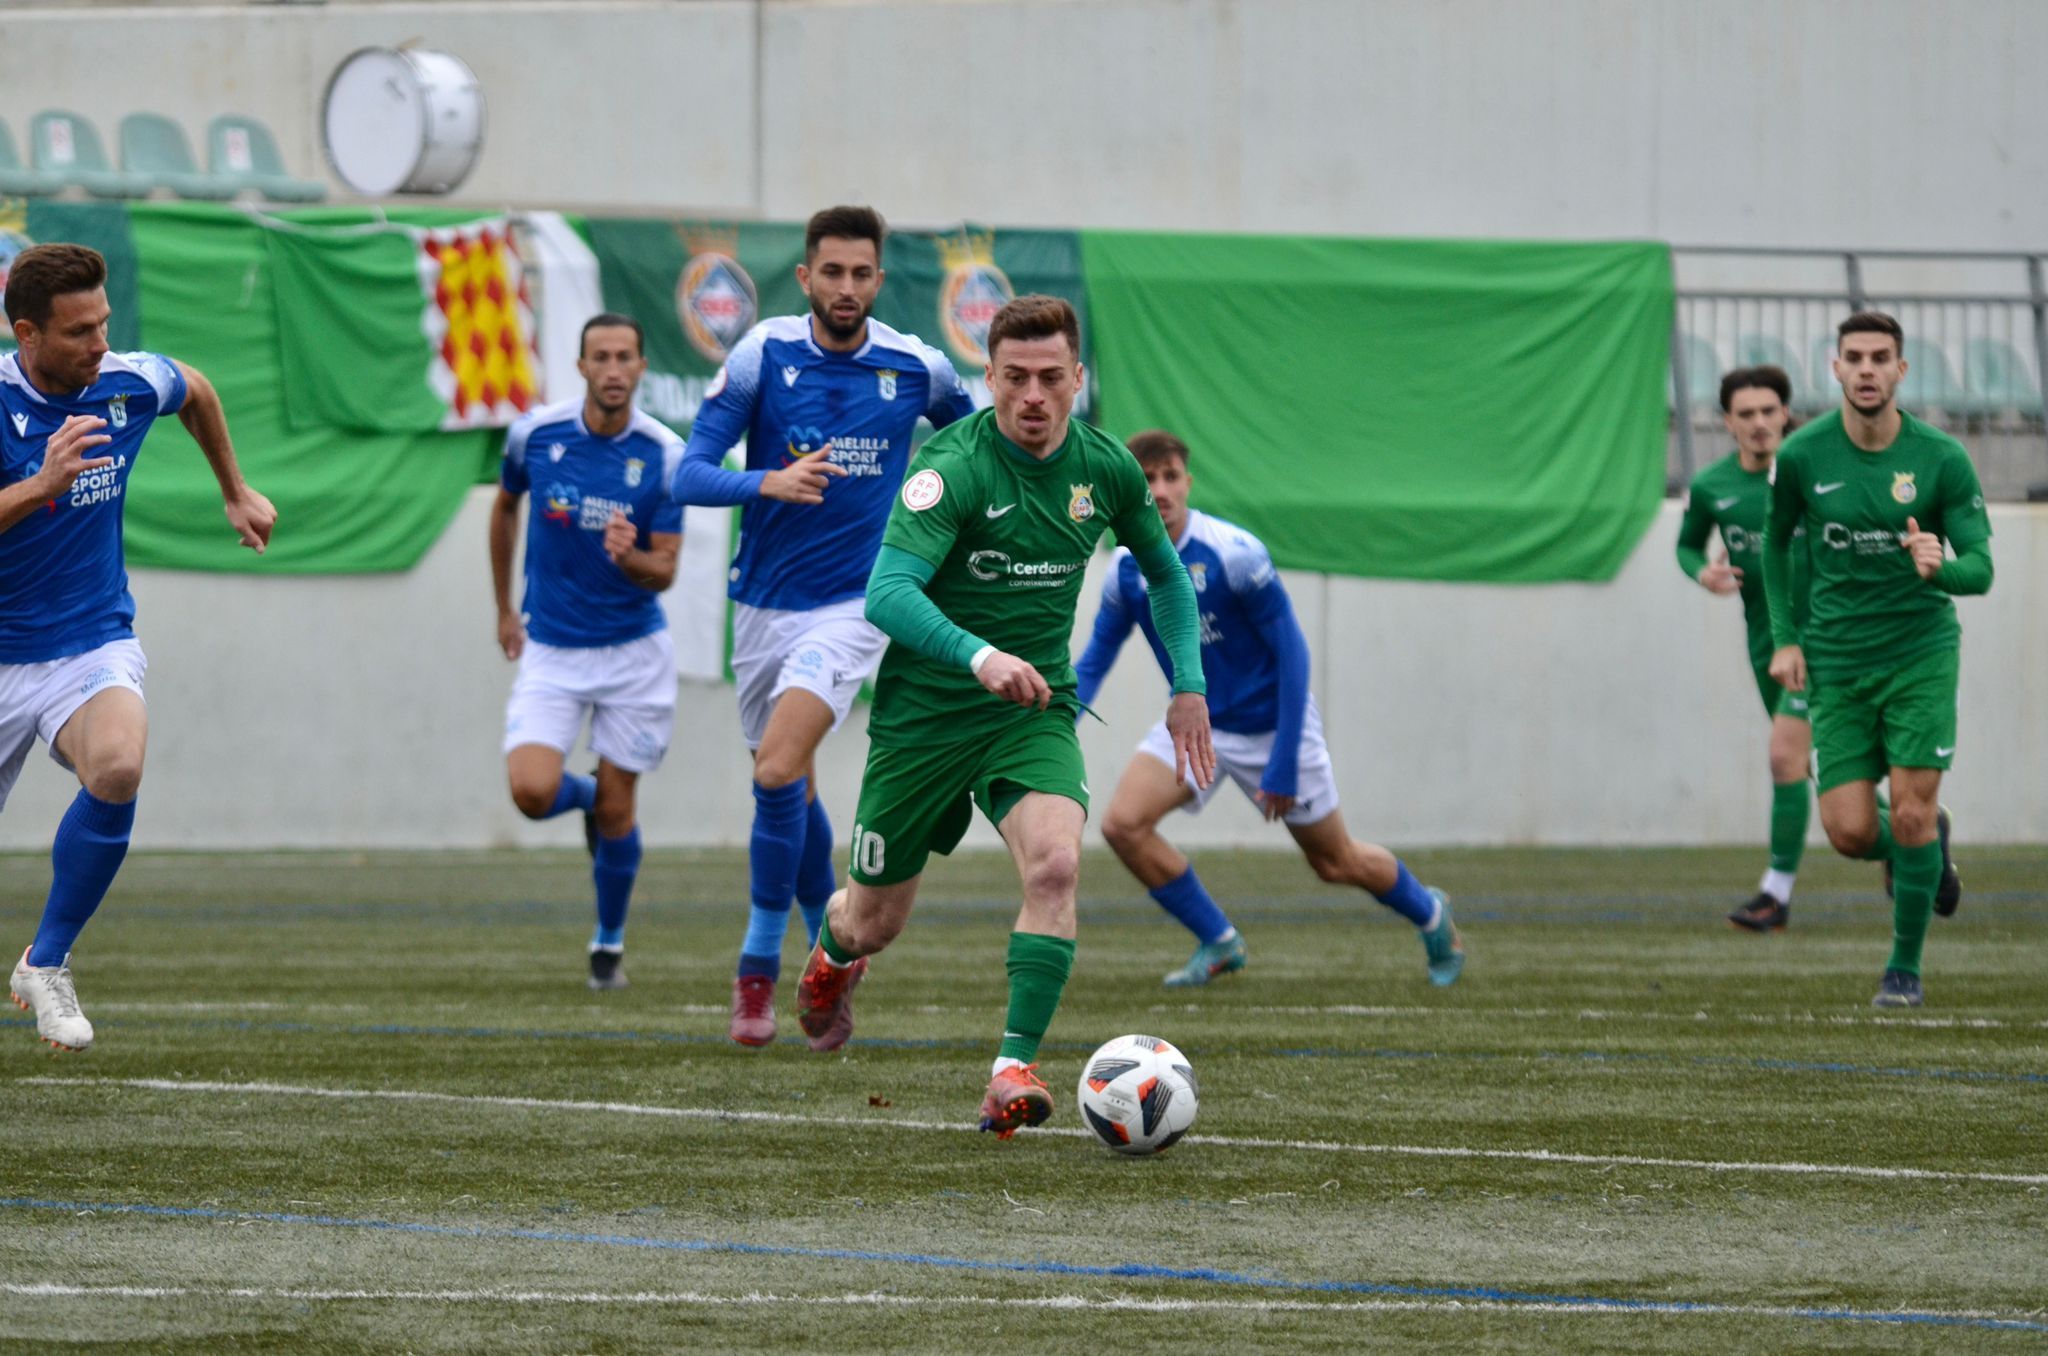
x=960 y=1127
x=882 y=1300
x=1613 y=1015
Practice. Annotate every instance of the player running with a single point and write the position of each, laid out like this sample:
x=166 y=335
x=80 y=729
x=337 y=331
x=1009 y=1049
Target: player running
x=602 y=541
x=70 y=666
x=1268 y=733
x=827 y=403
x=976 y=585
x=1733 y=495
x=1877 y=492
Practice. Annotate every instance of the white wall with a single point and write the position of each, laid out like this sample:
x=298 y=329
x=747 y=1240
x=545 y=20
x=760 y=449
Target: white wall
x=1779 y=122
x=366 y=712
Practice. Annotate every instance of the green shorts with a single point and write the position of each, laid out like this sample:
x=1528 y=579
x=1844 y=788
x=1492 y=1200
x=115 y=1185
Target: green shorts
x=1777 y=701
x=919 y=800
x=1863 y=727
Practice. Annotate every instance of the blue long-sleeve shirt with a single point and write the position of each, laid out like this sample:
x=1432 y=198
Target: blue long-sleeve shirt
x=1254 y=656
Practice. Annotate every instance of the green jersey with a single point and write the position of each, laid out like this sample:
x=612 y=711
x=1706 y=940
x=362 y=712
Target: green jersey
x=1871 y=610
x=1736 y=501
x=1009 y=537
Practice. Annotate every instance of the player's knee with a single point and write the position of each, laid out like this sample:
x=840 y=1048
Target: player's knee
x=534 y=799
x=1851 y=840
x=775 y=768
x=1787 y=765
x=115 y=776
x=1124 y=835
x=1053 y=873
x=614 y=815
x=1913 y=821
x=1331 y=868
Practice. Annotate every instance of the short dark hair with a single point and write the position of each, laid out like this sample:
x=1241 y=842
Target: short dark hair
x=1763 y=375
x=605 y=320
x=1035 y=316
x=1155 y=445
x=1871 y=322
x=845 y=223
x=42 y=273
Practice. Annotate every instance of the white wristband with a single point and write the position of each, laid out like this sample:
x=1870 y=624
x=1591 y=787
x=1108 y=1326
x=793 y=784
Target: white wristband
x=980 y=657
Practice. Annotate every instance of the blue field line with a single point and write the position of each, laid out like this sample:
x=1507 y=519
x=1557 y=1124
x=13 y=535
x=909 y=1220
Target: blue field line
x=1143 y=1271
x=629 y=1037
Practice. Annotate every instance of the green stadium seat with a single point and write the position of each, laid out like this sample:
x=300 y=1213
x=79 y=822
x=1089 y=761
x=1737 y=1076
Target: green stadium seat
x=1930 y=386
x=155 y=148
x=1996 y=380
x=241 y=148
x=18 y=180
x=67 y=146
x=1768 y=350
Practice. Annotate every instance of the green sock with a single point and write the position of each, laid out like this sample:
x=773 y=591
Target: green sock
x=835 y=953
x=1038 y=966
x=1915 y=872
x=1883 y=848
x=1791 y=810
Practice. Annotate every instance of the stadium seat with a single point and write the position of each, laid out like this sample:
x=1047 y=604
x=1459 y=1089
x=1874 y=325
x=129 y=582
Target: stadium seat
x=16 y=179
x=1996 y=380
x=154 y=147
x=241 y=149
x=1768 y=350
x=68 y=147
x=1930 y=386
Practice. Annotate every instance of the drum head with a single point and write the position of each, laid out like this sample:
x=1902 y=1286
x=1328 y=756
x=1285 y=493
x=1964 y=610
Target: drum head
x=402 y=122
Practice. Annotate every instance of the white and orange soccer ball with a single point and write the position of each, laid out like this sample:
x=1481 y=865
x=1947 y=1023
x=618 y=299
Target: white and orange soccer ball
x=1138 y=1094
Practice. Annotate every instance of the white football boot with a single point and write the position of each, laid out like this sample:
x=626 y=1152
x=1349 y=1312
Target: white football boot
x=47 y=991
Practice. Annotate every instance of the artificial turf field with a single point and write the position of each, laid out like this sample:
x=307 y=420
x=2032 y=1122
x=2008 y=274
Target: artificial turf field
x=365 y=1102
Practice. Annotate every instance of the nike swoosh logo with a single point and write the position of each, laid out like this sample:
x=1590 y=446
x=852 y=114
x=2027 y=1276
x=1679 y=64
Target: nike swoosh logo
x=1829 y=488
x=21 y=424
x=1943 y=753
x=1723 y=505
x=994 y=512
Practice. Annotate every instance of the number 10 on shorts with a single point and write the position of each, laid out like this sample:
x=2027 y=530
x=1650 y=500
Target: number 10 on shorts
x=868 y=850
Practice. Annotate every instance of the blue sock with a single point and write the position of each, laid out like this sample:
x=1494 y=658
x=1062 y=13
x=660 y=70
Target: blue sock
x=92 y=838
x=815 y=880
x=773 y=853
x=1408 y=898
x=1185 y=899
x=575 y=793
x=614 y=870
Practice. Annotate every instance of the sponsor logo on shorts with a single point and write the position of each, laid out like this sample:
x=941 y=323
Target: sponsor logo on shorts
x=1903 y=489
x=923 y=490
x=96 y=680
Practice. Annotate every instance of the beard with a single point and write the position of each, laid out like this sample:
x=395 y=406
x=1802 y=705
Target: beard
x=835 y=328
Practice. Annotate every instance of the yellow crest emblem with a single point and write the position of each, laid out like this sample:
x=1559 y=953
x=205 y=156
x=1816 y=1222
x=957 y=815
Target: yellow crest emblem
x=1902 y=487
x=1081 y=507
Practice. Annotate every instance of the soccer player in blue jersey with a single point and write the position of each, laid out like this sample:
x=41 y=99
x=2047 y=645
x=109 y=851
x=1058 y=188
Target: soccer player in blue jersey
x=827 y=403
x=1268 y=734
x=70 y=667
x=601 y=542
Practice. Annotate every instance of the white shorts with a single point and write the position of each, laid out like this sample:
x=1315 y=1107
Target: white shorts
x=1243 y=758
x=628 y=691
x=36 y=699
x=829 y=652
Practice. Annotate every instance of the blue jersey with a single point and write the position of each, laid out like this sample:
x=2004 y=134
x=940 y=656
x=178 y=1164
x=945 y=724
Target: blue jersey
x=787 y=397
x=1254 y=657
x=576 y=595
x=63 y=580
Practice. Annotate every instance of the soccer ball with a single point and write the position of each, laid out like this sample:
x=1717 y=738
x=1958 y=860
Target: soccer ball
x=1138 y=1094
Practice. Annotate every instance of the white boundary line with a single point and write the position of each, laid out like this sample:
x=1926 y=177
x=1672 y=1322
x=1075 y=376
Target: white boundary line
x=884 y=1300
x=1700 y=1018
x=897 y=1123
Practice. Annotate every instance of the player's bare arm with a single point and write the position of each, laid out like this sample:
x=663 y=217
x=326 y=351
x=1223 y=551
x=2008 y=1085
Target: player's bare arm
x=248 y=512
x=654 y=568
x=504 y=531
x=65 y=459
x=803 y=481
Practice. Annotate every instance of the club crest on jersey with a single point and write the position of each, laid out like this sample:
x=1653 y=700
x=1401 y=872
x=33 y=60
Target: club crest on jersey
x=885 y=384
x=1902 y=487
x=923 y=490
x=634 y=466
x=1198 y=575
x=1081 y=507
x=973 y=291
x=555 y=451
x=117 y=411
x=715 y=299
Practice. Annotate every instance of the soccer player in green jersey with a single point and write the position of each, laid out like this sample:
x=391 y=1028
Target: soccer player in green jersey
x=976 y=585
x=1734 y=496
x=1878 y=491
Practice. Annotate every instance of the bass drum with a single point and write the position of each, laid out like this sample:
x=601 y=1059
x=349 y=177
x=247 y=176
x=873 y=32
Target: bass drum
x=402 y=120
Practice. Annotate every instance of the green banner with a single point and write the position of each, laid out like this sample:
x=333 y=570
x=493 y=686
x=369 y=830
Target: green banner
x=354 y=352
x=1482 y=411
x=347 y=501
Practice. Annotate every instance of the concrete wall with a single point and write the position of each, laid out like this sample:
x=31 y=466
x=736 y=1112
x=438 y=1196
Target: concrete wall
x=1779 y=122
x=366 y=712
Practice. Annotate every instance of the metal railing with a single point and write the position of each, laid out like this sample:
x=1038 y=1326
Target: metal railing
x=1976 y=328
